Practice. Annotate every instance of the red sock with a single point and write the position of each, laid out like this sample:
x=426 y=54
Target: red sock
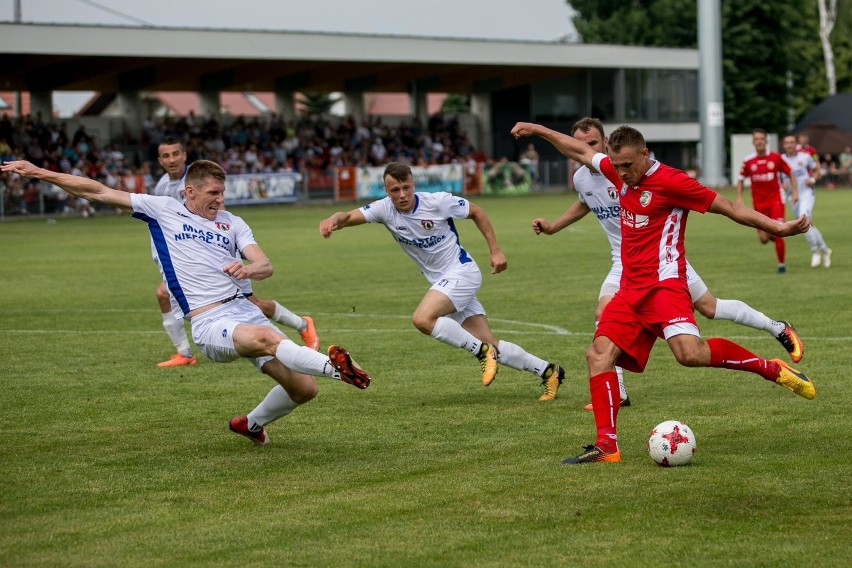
x=780 y=249
x=728 y=355
x=605 y=402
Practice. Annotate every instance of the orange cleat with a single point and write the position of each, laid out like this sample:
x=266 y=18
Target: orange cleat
x=593 y=454
x=177 y=360
x=791 y=342
x=309 y=335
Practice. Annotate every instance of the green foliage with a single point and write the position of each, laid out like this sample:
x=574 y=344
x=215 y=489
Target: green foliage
x=106 y=460
x=761 y=43
x=318 y=104
x=455 y=104
x=660 y=23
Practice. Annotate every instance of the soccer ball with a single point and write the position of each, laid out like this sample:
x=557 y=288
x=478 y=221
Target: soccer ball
x=671 y=443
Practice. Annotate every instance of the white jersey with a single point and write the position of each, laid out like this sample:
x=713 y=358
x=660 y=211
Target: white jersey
x=427 y=233
x=801 y=165
x=174 y=188
x=193 y=251
x=598 y=193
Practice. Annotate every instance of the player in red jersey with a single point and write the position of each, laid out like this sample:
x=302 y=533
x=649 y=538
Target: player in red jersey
x=763 y=168
x=803 y=145
x=653 y=299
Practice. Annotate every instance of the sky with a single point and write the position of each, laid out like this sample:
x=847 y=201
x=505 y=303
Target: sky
x=538 y=20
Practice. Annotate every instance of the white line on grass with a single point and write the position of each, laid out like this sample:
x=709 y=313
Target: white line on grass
x=544 y=331
x=540 y=328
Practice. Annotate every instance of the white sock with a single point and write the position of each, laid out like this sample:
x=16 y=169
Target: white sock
x=621 y=390
x=515 y=357
x=813 y=236
x=285 y=317
x=449 y=331
x=743 y=314
x=176 y=332
x=820 y=242
x=277 y=404
x=305 y=360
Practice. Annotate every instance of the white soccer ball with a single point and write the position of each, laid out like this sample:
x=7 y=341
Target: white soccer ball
x=671 y=443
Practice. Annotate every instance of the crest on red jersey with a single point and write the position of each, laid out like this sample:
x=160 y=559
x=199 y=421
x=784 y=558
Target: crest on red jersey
x=645 y=198
x=770 y=165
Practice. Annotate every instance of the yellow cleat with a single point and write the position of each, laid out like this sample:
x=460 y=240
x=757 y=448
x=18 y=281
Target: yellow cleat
x=794 y=380
x=554 y=375
x=488 y=362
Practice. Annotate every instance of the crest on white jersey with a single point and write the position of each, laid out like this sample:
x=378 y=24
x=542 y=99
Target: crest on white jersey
x=613 y=194
x=427 y=224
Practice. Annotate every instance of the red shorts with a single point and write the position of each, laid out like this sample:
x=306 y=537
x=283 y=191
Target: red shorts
x=772 y=209
x=636 y=317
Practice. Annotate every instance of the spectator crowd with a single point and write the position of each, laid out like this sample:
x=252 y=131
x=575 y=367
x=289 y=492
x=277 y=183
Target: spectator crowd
x=312 y=146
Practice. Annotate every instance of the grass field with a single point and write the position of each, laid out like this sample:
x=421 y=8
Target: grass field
x=108 y=461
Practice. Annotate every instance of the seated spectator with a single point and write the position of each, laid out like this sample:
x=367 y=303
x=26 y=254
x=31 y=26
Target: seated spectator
x=844 y=162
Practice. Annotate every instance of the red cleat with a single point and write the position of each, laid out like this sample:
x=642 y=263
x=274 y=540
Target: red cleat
x=349 y=370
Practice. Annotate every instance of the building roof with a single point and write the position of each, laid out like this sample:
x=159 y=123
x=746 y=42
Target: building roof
x=835 y=110
x=56 y=57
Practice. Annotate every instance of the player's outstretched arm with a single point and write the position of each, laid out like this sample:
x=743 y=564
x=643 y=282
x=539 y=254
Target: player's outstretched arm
x=577 y=211
x=751 y=218
x=340 y=220
x=75 y=185
x=483 y=223
x=567 y=146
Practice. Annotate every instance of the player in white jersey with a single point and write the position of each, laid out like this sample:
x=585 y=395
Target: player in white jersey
x=171 y=155
x=197 y=244
x=423 y=225
x=806 y=172
x=597 y=195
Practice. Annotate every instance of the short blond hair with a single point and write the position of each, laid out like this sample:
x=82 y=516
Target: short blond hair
x=200 y=172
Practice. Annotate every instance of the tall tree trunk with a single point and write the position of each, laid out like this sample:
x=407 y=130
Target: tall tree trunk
x=827 y=17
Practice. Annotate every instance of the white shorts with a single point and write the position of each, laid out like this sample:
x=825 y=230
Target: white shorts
x=611 y=283
x=697 y=287
x=805 y=205
x=213 y=331
x=460 y=284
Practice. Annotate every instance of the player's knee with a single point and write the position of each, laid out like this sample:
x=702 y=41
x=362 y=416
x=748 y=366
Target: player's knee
x=687 y=357
x=707 y=310
x=594 y=356
x=423 y=322
x=306 y=392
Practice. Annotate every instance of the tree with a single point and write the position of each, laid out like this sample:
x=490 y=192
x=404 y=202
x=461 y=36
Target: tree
x=827 y=18
x=318 y=104
x=764 y=46
x=455 y=104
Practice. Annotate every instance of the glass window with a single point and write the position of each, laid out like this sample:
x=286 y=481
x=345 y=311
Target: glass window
x=602 y=93
x=562 y=99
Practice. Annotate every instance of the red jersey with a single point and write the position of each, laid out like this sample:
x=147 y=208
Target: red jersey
x=808 y=149
x=653 y=221
x=763 y=173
